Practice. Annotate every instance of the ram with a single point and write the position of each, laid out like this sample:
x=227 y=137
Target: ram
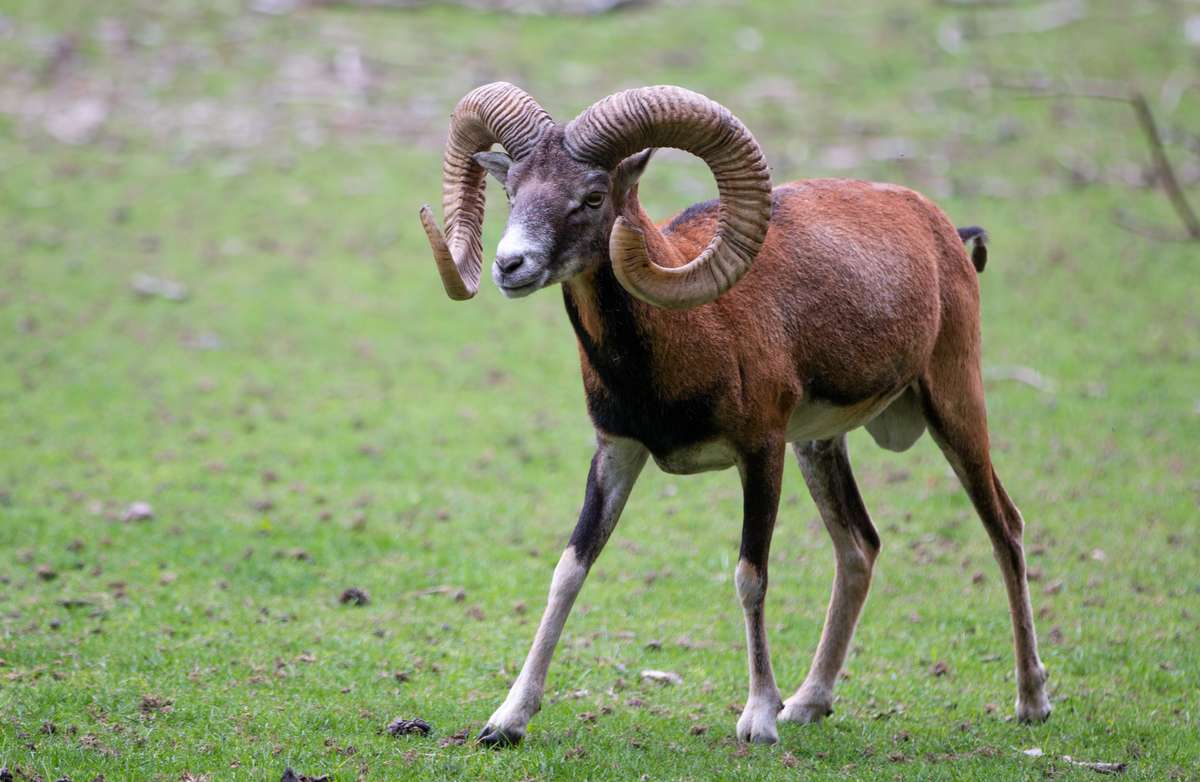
x=764 y=318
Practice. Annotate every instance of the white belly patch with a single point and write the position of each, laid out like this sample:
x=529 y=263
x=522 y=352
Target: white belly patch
x=702 y=457
x=821 y=420
x=809 y=421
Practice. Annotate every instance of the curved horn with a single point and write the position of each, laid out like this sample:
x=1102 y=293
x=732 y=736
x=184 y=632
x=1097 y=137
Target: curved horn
x=496 y=112
x=630 y=121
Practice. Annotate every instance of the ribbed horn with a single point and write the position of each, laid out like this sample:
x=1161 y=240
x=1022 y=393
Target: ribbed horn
x=494 y=113
x=630 y=121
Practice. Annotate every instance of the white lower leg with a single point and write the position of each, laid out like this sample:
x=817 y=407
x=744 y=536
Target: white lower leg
x=1005 y=527
x=757 y=723
x=827 y=473
x=814 y=699
x=1033 y=705
x=525 y=697
x=614 y=470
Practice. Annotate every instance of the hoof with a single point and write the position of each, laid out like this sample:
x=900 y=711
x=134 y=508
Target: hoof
x=766 y=739
x=492 y=736
x=757 y=724
x=758 y=735
x=1034 y=710
x=1035 y=707
x=805 y=713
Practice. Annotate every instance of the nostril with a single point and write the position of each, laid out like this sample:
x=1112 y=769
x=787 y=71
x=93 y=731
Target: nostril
x=509 y=263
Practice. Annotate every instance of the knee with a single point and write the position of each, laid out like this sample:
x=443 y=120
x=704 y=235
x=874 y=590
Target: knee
x=569 y=574
x=855 y=563
x=1008 y=550
x=855 y=566
x=1015 y=525
x=1009 y=543
x=751 y=583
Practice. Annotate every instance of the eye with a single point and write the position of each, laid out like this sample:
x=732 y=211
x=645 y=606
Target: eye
x=594 y=199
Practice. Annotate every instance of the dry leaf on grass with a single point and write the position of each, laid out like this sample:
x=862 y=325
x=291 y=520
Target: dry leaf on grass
x=138 y=511
x=662 y=677
x=149 y=286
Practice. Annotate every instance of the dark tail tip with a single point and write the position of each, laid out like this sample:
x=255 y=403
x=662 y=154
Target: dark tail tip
x=978 y=239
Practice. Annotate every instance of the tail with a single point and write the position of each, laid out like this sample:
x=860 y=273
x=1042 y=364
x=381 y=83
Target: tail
x=978 y=238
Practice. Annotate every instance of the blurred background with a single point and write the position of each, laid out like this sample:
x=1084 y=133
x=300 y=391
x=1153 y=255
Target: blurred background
x=231 y=385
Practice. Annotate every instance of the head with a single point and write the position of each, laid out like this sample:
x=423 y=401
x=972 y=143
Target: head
x=561 y=212
x=568 y=186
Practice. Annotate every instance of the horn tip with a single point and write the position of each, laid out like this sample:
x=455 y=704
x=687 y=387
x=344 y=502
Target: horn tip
x=622 y=224
x=461 y=295
x=429 y=223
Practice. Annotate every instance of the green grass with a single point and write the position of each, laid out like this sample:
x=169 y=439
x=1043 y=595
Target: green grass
x=316 y=415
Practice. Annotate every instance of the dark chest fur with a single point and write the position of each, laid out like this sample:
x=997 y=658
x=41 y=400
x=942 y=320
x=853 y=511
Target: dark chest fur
x=624 y=400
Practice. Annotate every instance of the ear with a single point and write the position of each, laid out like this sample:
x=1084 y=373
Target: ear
x=495 y=163
x=630 y=170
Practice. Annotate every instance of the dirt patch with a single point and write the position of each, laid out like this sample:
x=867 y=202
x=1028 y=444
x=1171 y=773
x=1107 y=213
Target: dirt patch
x=406 y=727
x=355 y=597
x=292 y=776
x=153 y=704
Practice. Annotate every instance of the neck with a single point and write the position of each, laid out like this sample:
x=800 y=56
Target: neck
x=595 y=296
x=610 y=324
x=632 y=389
x=602 y=313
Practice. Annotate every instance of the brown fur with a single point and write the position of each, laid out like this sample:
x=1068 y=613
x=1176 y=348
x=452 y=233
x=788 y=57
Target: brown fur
x=851 y=291
x=862 y=295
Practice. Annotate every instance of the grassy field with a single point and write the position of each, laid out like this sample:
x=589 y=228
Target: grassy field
x=314 y=415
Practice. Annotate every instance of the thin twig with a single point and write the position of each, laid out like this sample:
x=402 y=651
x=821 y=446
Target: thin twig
x=1025 y=19
x=981 y=3
x=1112 y=91
x=1027 y=375
x=1123 y=219
x=1166 y=173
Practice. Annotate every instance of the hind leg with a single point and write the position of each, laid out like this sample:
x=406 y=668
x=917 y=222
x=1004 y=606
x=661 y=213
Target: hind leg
x=952 y=397
x=826 y=469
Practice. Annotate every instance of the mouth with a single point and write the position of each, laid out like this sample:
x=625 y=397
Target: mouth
x=520 y=290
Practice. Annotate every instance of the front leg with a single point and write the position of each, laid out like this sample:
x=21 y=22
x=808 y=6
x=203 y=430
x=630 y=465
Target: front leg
x=762 y=474
x=615 y=469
